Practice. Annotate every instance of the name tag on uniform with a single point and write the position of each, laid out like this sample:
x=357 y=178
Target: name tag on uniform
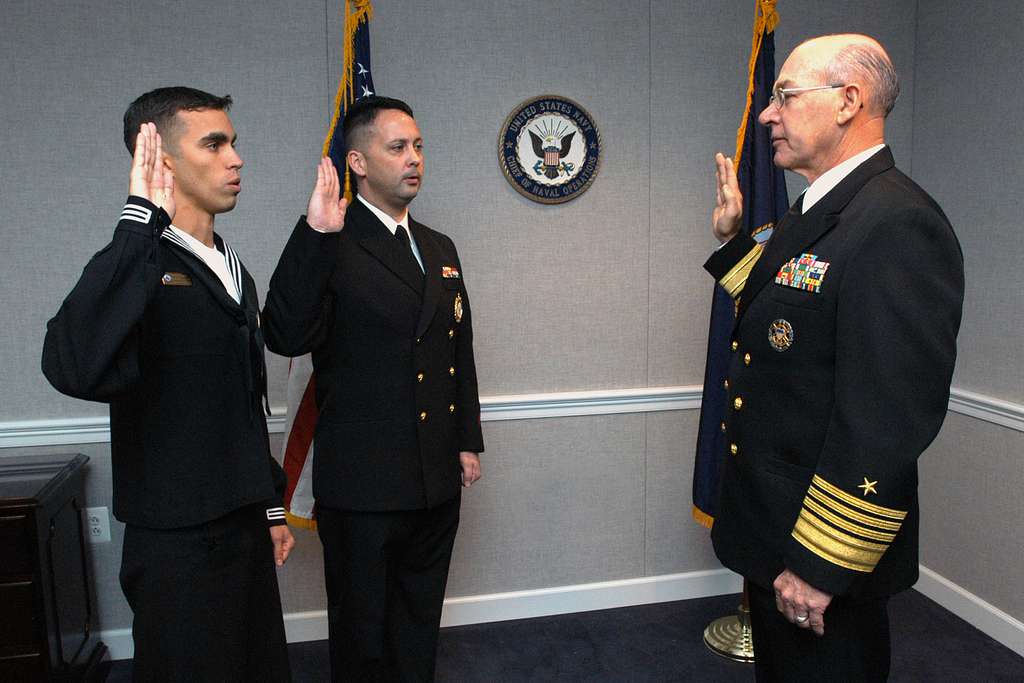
x=176 y=280
x=806 y=273
x=450 y=272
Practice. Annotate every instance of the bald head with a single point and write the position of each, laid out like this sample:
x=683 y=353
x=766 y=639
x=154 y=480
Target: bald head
x=854 y=58
x=837 y=92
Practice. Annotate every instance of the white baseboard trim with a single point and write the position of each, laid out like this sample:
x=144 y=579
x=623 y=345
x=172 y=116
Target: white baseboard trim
x=479 y=609
x=527 y=604
x=82 y=430
x=119 y=643
x=543 y=602
x=983 y=616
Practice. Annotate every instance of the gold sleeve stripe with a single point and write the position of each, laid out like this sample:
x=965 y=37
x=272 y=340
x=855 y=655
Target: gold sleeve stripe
x=845 y=539
x=835 y=546
x=836 y=506
x=736 y=278
x=846 y=525
x=818 y=544
x=857 y=502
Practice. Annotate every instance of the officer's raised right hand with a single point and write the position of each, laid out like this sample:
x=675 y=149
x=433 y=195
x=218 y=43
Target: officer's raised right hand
x=725 y=219
x=326 y=210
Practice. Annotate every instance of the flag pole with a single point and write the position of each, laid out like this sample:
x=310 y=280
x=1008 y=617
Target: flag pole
x=731 y=636
x=300 y=424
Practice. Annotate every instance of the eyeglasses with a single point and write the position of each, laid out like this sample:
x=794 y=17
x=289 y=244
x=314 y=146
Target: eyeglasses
x=779 y=95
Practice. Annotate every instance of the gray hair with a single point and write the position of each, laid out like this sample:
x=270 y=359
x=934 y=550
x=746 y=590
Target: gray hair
x=870 y=63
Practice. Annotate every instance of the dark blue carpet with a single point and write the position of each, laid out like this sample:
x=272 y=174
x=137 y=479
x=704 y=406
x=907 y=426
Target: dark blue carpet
x=663 y=643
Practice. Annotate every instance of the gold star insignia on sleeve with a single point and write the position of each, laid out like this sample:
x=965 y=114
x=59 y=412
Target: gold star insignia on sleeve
x=868 y=486
x=843 y=529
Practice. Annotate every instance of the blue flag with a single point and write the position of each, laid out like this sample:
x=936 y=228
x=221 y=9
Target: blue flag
x=355 y=83
x=764 y=201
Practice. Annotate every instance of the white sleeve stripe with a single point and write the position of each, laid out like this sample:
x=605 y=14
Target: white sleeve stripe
x=137 y=207
x=134 y=212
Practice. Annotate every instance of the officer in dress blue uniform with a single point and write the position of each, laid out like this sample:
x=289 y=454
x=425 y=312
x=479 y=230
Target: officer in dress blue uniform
x=380 y=300
x=843 y=352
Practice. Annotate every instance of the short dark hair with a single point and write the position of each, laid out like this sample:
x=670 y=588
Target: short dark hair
x=363 y=112
x=160 y=107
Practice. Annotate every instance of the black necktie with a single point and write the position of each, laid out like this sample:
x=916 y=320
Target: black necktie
x=404 y=259
x=794 y=213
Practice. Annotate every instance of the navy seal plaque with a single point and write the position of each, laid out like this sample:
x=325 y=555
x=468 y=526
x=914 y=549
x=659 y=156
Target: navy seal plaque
x=549 y=149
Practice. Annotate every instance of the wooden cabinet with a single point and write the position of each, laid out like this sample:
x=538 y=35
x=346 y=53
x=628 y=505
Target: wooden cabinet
x=46 y=606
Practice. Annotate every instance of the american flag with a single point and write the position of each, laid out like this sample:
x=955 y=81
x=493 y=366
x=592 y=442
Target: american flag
x=356 y=82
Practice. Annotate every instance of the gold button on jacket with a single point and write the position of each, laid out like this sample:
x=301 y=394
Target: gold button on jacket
x=835 y=415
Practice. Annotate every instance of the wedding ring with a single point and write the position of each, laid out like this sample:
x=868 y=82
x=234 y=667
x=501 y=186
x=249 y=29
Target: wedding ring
x=801 y=618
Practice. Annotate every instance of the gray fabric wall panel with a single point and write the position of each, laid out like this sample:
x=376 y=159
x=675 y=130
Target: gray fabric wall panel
x=605 y=291
x=559 y=292
x=972 y=523
x=968 y=152
x=695 y=100
x=674 y=542
x=543 y=278
x=561 y=502
x=63 y=71
x=64 y=175
x=892 y=23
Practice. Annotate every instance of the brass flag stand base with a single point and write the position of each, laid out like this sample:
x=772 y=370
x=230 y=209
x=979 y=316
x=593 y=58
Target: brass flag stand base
x=731 y=636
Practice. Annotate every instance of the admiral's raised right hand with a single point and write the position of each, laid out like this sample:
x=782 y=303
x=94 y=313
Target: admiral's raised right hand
x=149 y=177
x=725 y=219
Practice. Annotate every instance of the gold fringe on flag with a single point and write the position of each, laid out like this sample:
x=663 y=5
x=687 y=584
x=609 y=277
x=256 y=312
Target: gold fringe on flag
x=356 y=11
x=300 y=522
x=765 y=20
x=703 y=518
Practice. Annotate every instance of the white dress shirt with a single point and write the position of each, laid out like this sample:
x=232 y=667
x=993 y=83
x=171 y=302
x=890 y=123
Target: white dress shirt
x=833 y=176
x=392 y=225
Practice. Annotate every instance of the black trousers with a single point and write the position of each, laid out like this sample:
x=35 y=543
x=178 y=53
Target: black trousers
x=854 y=649
x=386 y=574
x=205 y=601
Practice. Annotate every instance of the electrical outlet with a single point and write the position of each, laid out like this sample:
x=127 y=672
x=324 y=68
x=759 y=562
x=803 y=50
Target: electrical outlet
x=97 y=525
